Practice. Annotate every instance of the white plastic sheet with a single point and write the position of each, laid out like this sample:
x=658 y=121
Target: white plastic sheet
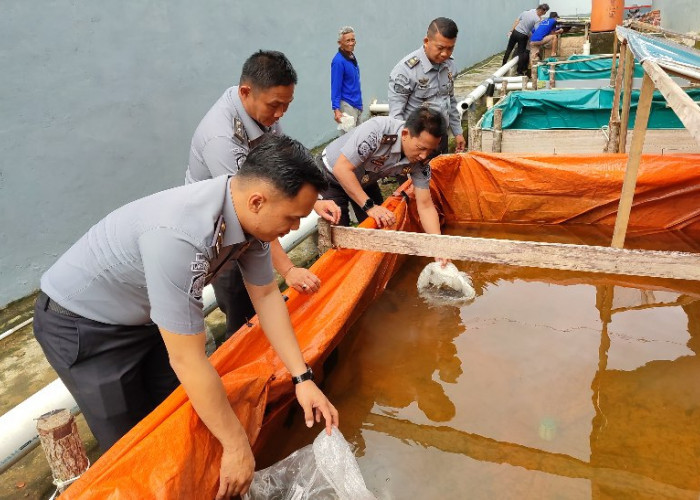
x=324 y=470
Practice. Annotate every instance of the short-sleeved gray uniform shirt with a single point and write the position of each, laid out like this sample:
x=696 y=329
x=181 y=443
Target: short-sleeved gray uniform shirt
x=374 y=149
x=416 y=82
x=223 y=139
x=148 y=261
x=527 y=21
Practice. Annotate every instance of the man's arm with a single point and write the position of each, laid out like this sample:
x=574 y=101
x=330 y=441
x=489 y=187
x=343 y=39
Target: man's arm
x=400 y=90
x=274 y=320
x=222 y=156
x=344 y=172
x=299 y=278
x=336 y=86
x=208 y=397
x=428 y=215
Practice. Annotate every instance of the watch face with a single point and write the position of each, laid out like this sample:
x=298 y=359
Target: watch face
x=368 y=204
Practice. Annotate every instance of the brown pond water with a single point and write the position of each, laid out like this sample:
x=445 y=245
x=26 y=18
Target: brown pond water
x=550 y=384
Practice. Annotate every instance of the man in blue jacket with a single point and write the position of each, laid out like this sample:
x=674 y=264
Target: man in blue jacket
x=346 y=95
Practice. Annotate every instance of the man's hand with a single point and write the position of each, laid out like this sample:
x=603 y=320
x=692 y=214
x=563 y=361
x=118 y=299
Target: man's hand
x=460 y=143
x=328 y=210
x=302 y=280
x=382 y=216
x=337 y=115
x=315 y=404
x=236 y=473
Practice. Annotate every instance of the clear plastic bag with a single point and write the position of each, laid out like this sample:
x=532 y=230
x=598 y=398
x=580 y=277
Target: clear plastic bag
x=326 y=469
x=347 y=122
x=447 y=285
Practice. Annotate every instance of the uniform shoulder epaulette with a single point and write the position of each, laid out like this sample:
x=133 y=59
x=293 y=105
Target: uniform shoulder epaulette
x=239 y=131
x=389 y=139
x=411 y=63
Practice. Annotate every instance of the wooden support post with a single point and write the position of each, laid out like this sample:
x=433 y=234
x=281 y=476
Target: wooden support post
x=497 y=130
x=626 y=99
x=552 y=71
x=535 y=77
x=525 y=80
x=470 y=128
x=476 y=134
x=635 y=155
x=584 y=258
x=504 y=88
x=62 y=445
x=614 y=125
x=324 y=236
x=489 y=102
x=613 y=68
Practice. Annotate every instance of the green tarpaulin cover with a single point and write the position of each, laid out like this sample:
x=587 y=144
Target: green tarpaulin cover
x=576 y=109
x=580 y=69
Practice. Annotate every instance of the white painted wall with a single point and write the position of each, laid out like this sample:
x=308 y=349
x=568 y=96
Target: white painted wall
x=99 y=99
x=679 y=15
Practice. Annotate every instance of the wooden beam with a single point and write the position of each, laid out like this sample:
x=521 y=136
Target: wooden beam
x=552 y=76
x=626 y=99
x=568 y=257
x=658 y=29
x=635 y=156
x=687 y=110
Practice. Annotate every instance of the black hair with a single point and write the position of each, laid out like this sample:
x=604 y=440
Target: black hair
x=553 y=14
x=443 y=25
x=285 y=163
x=543 y=7
x=266 y=69
x=426 y=120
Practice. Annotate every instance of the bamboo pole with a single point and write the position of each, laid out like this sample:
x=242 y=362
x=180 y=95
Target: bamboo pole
x=635 y=155
x=569 y=257
x=535 y=77
x=626 y=99
x=497 y=130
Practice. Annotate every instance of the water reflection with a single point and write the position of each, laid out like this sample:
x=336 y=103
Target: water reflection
x=550 y=384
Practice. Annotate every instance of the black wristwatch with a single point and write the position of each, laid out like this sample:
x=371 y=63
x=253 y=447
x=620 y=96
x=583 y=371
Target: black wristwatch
x=307 y=375
x=368 y=204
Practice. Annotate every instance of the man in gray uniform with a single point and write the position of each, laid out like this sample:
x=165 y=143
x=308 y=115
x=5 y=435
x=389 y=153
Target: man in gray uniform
x=120 y=313
x=383 y=147
x=425 y=78
x=221 y=142
x=520 y=33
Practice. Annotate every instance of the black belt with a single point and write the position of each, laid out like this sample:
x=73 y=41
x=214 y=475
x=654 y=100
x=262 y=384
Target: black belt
x=57 y=308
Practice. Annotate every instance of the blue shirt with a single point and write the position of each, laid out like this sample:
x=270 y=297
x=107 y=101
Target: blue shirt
x=345 y=81
x=543 y=29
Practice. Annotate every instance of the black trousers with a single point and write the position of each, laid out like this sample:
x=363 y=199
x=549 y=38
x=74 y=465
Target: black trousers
x=232 y=297
x=117 y=374
x=336 y=193
x=519 y=39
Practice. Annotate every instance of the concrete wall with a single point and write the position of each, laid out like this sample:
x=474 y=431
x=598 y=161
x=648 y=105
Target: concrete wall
x=679 y=15
x=99 y=99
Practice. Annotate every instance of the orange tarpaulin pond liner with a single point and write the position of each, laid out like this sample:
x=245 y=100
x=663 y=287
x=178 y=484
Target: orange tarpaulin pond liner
x=171 y=454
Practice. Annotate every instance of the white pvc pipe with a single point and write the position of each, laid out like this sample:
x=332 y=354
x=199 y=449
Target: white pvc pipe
x=18 y=425
x=463 y=105
x=378 y=107
x=19 y=435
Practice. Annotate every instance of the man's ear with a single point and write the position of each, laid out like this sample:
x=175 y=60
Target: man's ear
x=244 y=91
x=256 y=200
